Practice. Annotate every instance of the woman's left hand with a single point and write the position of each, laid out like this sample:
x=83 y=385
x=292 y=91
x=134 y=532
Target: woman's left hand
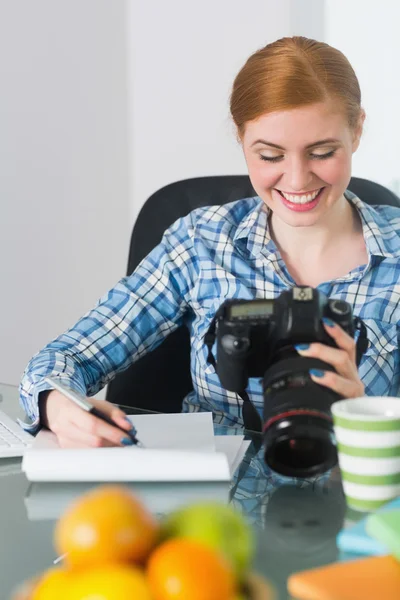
x=346 y=380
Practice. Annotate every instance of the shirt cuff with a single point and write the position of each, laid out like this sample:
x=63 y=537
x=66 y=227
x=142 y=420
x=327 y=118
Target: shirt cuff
x=30 y=402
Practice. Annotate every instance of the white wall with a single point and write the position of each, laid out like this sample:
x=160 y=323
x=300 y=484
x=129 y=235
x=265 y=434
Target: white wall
x=64 y=194
x=368 y=34
x=103 y=102
x=184 y=56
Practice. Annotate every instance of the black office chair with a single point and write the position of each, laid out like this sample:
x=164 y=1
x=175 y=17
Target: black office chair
x=161 y=379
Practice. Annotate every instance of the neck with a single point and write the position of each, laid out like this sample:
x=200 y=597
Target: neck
x=338 y=223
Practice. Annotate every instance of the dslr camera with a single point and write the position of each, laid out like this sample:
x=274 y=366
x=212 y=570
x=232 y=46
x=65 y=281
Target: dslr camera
x=256 y=338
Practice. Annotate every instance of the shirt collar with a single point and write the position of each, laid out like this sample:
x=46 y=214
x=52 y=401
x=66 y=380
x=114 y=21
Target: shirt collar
x=255 y=229
x=381 y=237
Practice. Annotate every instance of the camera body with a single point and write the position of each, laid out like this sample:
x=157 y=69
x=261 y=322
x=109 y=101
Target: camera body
x=257 y=338
x=254 y=334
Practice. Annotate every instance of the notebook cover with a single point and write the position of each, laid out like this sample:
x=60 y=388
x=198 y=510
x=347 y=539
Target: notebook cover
x=372 y=578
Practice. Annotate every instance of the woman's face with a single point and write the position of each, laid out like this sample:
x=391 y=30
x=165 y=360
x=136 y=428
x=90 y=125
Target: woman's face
x=299 y=161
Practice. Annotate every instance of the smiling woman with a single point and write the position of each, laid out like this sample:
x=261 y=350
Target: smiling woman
x=299 y=123
x=297 y=107
x=306 y=171
x=302 y=181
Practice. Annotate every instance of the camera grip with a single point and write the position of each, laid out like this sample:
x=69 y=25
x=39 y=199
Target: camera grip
x=232 y=351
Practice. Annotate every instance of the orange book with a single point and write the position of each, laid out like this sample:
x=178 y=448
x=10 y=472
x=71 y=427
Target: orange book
x=373 y=578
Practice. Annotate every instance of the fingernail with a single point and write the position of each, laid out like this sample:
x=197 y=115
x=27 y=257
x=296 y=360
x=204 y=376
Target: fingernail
x=317 y=372
x=126 y=441
x=302 y=346
x=133 y=430
x=328 y=322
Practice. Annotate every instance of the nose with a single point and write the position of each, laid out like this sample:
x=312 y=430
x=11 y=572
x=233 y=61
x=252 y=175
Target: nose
x=299 y=176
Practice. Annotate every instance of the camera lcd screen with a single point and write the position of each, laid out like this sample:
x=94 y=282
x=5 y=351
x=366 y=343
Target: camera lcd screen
x=251 y=309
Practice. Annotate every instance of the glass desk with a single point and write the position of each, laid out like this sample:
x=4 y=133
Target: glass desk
x=295 y=521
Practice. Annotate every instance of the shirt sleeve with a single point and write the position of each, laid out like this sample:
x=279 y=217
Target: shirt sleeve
x=131 y=319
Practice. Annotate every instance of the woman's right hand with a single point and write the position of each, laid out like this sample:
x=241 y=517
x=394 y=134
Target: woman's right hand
x=76 y=428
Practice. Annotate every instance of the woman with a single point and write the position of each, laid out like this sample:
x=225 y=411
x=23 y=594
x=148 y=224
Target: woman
x=297 y=107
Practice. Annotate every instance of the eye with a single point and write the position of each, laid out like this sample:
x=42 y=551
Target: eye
x=271 y=158
x=323 y=156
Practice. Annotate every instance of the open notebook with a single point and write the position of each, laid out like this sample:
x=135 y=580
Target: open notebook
x=177 y=447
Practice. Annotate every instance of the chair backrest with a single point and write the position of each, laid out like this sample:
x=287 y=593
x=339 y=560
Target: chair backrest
x=161 y=379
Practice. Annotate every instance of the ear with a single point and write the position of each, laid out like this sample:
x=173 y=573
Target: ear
x=358 y=130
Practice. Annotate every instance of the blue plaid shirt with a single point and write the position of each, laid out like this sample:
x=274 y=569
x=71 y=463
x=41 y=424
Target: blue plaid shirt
x=213 y=254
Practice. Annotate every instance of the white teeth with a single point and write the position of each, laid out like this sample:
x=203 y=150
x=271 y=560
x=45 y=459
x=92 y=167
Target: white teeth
x=301 y=199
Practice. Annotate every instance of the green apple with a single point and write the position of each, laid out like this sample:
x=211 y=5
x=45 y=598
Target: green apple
x=219 y=526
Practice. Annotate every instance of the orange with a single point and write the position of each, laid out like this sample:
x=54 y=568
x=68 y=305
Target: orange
x=52 y=584
x=107 y=524
x=183 y=569
x=109 y=582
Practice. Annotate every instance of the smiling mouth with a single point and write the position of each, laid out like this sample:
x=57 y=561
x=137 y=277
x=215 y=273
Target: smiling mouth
x=300 y=198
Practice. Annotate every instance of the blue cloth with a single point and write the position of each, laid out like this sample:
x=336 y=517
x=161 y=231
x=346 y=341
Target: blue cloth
x=213 y=254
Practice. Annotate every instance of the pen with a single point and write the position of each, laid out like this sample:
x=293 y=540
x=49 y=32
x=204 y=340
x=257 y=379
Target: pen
x=81 y=401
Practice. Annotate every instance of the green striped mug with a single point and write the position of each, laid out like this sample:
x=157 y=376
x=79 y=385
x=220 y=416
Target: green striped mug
x=367 y=433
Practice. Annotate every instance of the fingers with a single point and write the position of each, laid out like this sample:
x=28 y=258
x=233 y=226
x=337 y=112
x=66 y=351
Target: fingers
x=345 y=381
x=333 y=356
x=77 y=428
x=112 y=411
x=342 y=358
x=95 y=427
x=343 y=340
x=347 y=388
x=73 y=437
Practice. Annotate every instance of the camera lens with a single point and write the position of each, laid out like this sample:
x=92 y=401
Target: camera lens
x=298 y=427
x=300 y=456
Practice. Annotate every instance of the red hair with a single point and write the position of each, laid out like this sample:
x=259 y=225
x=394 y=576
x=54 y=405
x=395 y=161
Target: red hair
x=293 y=72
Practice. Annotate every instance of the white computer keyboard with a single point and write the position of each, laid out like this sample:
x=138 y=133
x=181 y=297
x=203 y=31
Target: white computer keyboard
x=14 y=441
